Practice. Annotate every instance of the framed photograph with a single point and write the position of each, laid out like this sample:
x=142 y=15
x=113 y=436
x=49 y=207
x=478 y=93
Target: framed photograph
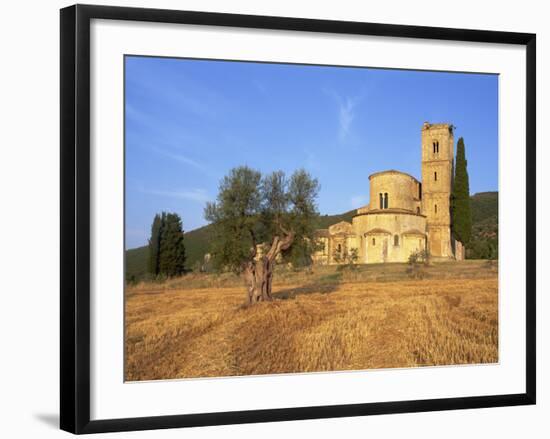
x=275 y=218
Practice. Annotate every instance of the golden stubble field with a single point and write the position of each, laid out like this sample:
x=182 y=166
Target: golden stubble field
x=327 y=321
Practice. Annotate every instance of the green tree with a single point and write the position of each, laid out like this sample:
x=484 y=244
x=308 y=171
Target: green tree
x=303 y=215
x=460 y=202
x=154 y=245
x=235 y=217
x=251 y=210
x=172 y=248
x=166 y=247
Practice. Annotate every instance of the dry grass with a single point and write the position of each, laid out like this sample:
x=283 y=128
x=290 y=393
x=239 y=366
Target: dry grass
x=321 y=323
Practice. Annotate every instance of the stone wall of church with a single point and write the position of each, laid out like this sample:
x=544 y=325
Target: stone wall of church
x=335 y=244
x=389 y=236
x=321 y=255
x=402 y=189
x=439 y=242
x=412 y=243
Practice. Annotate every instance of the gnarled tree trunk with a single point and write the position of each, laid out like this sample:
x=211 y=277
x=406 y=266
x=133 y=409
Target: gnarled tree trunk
x=258 y=273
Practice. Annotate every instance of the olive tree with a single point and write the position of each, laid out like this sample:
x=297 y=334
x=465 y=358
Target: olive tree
x=273 y=213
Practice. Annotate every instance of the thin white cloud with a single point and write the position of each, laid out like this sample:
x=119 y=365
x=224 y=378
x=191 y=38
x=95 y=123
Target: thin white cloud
x=357 y=201
x=138 y=116
x=198 y=195
x=187 y=95
x=346 y=107
x=180 y=158
x=346 y=114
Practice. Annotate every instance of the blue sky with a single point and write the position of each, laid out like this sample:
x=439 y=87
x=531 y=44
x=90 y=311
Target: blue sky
x=188 y=122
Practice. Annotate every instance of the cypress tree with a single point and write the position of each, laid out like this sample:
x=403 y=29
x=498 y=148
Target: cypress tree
x=154 y=245
x=461 y=213
x=172 y=249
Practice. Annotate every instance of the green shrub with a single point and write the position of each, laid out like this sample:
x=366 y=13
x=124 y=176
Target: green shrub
x=419 y=257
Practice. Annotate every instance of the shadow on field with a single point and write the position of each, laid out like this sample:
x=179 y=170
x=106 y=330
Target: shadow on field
x=291 y=293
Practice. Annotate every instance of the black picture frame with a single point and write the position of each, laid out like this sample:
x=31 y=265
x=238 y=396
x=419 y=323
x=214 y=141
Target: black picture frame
x=75 y=217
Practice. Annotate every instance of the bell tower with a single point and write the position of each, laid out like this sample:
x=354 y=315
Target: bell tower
x=437 y=183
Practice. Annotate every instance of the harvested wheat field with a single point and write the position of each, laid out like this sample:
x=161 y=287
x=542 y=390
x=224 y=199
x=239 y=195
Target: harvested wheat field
x=326 y=321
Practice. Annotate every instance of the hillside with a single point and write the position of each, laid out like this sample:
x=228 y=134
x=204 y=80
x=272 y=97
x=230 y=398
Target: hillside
x=484 y=240
x=325 y=221
x=484 y=205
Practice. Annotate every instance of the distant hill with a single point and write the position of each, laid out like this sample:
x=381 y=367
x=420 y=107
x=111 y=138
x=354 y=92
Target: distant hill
x=484 y=241
x=484 y=205
x=136 y=262
x=484 y=229
x=325 y=221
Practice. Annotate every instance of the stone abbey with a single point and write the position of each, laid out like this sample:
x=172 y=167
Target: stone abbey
x=404 y=215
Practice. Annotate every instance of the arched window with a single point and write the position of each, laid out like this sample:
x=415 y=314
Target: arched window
x=435 y=208
x=435 y=176
x=436 y=147
x=381 y=201
x=396 y=240
x=386 y=200
x=339 y=248
x=417 y=210
x=373 y=241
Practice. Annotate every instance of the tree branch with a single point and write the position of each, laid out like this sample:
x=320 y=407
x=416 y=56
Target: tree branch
x=253 y=249
x=279 y=245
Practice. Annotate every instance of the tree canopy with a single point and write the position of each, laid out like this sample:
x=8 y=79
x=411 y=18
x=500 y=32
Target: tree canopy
x=166 y=247
x=252 y=209
x=235 y=215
